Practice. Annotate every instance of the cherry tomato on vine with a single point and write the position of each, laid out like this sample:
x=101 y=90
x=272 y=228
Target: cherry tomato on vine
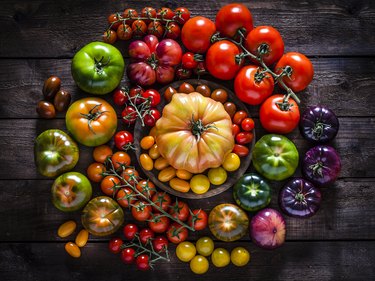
x=148 y=12
x=130 y=175
x=173 y=31
x=146 y=187
x=161 y=199
x=153 y=95
x=139 y=28
x=120 y=158
x=188 y=61
x=278 y=118
x=201 y=68
x=265 y=41
x=196 y=34
x=145 y=235
x=244 y=137
x=221 y=60
x=165 y=14
x=124 y=32
x=127 y=255
x=301 y=69
x=233 y=17
x=252 y=85
x=115 y=245
x=125 y=196
x=182 y=15
x=123 y=140
x=156 y=28
x=182 y=73
x=135 y=93
x=129 y=115
x=142 y=262
x=113 y=18
x=101 y=153
x=159 y=224
x=109 y=36
x=141 y=211
x=130 y=14
x=130 y=230
x=177 y=233
x=95 y=171
x=151 y=117
x=180 y=210
x=240 y=150
x=239 y=116
x=160 y=243
x=247 y=124
x=198 y=220
x=109 y=185
x=119 y=97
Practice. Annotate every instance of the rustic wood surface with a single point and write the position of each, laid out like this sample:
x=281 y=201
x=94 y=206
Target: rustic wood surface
x=38 y=39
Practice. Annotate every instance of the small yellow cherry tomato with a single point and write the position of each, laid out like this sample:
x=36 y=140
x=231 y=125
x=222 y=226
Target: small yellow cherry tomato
x=185 y=251
x=205 y=246
x=199 y=265
x=154 y=152
x=146 y=162
x=183 y=174
x=231 y=162
x=167 y=174
x=179 y=185
x=240 y=256
x=152 y=132
x=147 y=142
x=220 y=257
x=72 y=249
x=199 y=184
x=217 y=176
x=66 y=229
x=82 y=238
x=161 y=163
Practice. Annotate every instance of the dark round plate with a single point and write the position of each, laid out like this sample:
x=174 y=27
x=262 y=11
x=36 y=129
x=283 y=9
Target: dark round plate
x=140 y=132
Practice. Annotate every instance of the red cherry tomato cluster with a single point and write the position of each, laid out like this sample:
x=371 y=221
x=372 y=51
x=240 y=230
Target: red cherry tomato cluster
x=242 y=128
x=162 y=23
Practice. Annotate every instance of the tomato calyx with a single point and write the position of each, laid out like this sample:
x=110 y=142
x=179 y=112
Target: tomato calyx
x=300 y=198
x=319 y=129
x=198 y=128
x=153 y=61
x=99 y=64
x=317 y=168
x=93 y=115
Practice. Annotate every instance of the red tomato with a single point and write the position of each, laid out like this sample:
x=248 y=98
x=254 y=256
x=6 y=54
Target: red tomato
x=165 y=14
x=130 y=175
x=119 y=97
x=146 y=187
x=109 y=185
x=266 y=42
x=115 y=245
x=247 y=124
x=130 y=14
x=129 y=115
x=123 y=140
x=120 y=159
x=153 y=96
x=176 y=233
x=139 y=28
x=145 y=235
x=275 y=119
x=130 y=230
x=196 y=34
x=141 y=211
x=159 y=224
x=233 y=17
x=188 y=61
x=135 y=93
x=125 y=196
x=148 y=12
x=151 y=117
x=173 y=31
x=302 y=70
x=142 y=262
x=156 y=28
x=182 y=15
x=109 y=36
x=235 y=129
x=124 y=32
x=127 y=255
x=161 y=199
x=252 y=86
x=179 y=210
x=113 y=20
x=221 y=60
x=244 y=137
x=160 y=244
x=198 y=220
x=239 y=116
x=183 y=74
x=240 y=150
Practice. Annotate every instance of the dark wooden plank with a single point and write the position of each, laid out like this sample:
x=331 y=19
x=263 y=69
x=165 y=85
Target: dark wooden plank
x=293 y=261
x=347 y=212
x=354 y=143
x=59 y=28
x=350 y=80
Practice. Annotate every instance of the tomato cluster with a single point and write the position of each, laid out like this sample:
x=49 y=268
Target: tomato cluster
x=162 y=23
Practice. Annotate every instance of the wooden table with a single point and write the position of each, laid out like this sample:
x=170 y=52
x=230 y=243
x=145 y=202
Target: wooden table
x=39 y=38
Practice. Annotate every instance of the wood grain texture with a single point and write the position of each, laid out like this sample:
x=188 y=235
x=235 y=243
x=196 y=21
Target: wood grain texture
x=294 y=261
x=347 y=212
x=59 y=28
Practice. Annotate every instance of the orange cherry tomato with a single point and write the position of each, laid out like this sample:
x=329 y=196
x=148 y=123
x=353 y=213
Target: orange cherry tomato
x=109 y=185
x=95 y=171
x=120 y=158
x=101 y=153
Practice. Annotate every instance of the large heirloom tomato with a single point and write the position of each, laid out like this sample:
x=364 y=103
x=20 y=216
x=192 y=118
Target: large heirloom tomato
x=194 y=133
x=102 y=216
x=91 y=121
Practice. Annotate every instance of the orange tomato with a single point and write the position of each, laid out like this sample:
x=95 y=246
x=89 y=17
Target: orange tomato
x=95 y=170
x=120 y=158
x=101 y=153
x=109 y=185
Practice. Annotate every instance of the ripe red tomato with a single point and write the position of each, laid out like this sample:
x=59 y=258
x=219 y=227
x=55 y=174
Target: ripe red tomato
x=276 y=120
x=235 y=129
x=239 y=116
x=141 y=211
x=148 y=12
x=125 y=196
x=127 y=255
x=123 y=140
x=145 y=235
x=188 y=61
x=124 y=32
x=156 y=28
x=135 y=93
x=109 y=36
x=165 y=14
x=160 y=244
x=120 y=159
x=130 y=175
x=130 y=14
x=252 y=86
x=115 y=245
x=176 y=233
x=244 y=137
x=183 y=74
x=139 y=28
x=113 y=20
x=142 y=262
x=222 y=60
x=233 y=17
x=265 y=41
x=153 y=96
x=302 y=70
x=179 y=210
x=182 y=15
x=240 y=150
x=129 y=115
x=146 y=187
x=119 y=97
x=173 y=31
x=151 y=117
x=109 y=185
x=161 y=199
x=159 y=224
x=247 y=124
x=198 y=220
x=130 y=230
x=196 y=34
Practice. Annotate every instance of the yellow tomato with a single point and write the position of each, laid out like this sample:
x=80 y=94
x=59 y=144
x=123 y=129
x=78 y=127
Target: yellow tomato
x=167 y=174
x=185 y=251
x=161 y=163
x=154 y=152
x=199 y=184
x=82 y=238
x=147 y=142
x=205 y=246
x=146 y=162
x=217 y=176
x=72 y=249
x=199 y=265
x=66 y=229
x=231 y=162
x=240 y=256
x=220 y=257
x=179 y=185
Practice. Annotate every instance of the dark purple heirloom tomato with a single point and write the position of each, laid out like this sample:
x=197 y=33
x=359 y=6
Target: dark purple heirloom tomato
x=321 y=165
x=318 y=124
x=300 y=198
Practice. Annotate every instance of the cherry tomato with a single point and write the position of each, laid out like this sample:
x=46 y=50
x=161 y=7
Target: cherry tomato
x=161 y=199
x=113 y=20
x=142 y=262
x=148 y=12
x=240 y=150
x=115 y=245
x=219 y=95
x=125 y=196
x=182 y=73
x=130 y=230
x=239 y=256
x=233 y=17
x=156 y=28
x=123 y=140
x=176 y=233
x=182 y=15
x=109 y=36
x=159 y=224
x=139 y=28
x=221 y=60
x=151 y=117
x=244 y=137
x=247 y=124
x=165 y=14
x=124 y=32
x=186 y=88
x=179 y=210
x=199 y=184
x=160 y=244
x=235 y=129
x=130 y=175
x=169 y=92
x=127 y=255
x=119 y=97
x=217 y=176
x=231 y=162
x=146 y=162
x=147 y=142
x=146 y=187
x=231 y=108
x=196 y=34
x=129 y=115
x=201 y=68
x=185 y=251
x=199 y=264
x=253 y=86
x=265 y=42
x=204 y=90
x=188 y=61
x=205 y=246
x=145 y=235
x=119 y=159
x=95 y=171
x=135 y=93
x=172 y=30
x=220 y=257
x=109 y=185
x=198 y=220
x=141 y=211
x=301 y=68
x=239 y=116
x=153 y=96
x=276 y=119
x=130 y=14
x=101 y=153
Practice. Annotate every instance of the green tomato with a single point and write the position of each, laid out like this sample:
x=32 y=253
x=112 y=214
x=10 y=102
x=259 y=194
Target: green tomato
x=205 y=246
x=275 y=157
x=199 y=265
x=185 y=251
x=217 y=176
x=252 y=192
x=240 y=256
x=55 y=153
x=98 y=68
x=220 y=257
x=71 y=191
